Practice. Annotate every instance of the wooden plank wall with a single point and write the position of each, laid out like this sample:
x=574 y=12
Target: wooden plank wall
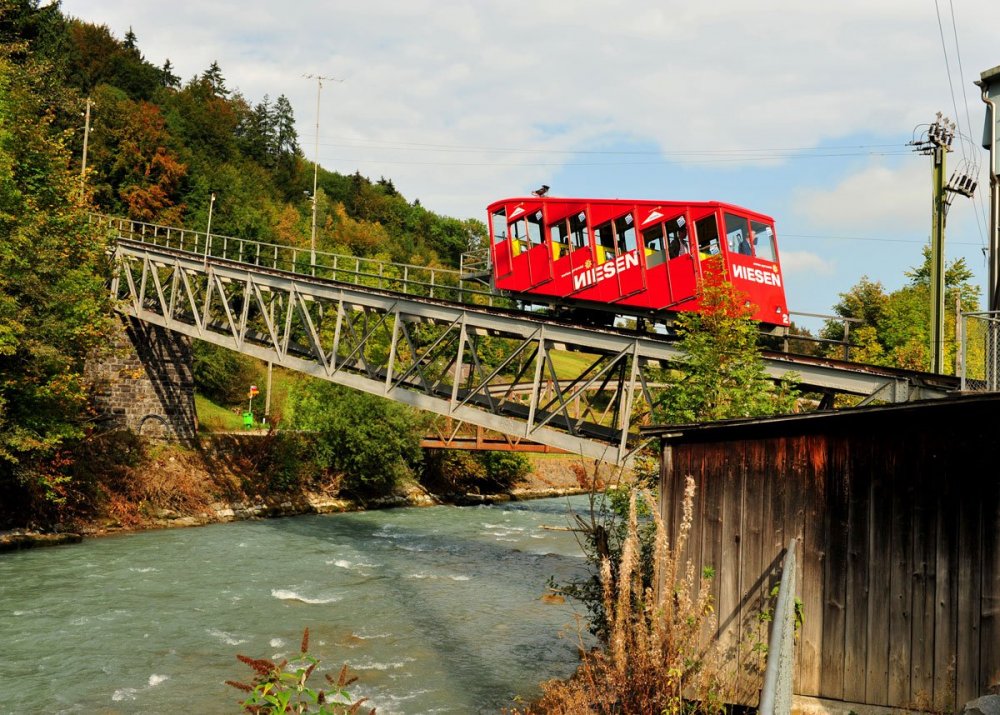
x=899 y=556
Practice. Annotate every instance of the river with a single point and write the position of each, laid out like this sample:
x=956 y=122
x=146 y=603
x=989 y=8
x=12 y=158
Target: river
x=436 y=609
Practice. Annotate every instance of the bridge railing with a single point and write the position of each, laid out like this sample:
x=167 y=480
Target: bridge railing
x=411 y=279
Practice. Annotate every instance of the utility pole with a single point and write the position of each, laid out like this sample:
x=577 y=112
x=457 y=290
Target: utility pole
x=937 y=143
x=208 y=228
x=312 y=234
x=989 y=83
x=83 y=164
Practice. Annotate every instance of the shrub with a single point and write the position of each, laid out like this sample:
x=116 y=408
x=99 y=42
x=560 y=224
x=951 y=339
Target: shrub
x=504 y=470
x=372 y=441
x=474 y=472
x=655 y=660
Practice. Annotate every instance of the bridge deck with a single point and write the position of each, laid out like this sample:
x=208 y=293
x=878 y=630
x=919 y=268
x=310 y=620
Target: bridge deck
x=429 y=350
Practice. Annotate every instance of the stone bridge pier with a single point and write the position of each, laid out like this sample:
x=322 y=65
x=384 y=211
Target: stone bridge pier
x=146 y=384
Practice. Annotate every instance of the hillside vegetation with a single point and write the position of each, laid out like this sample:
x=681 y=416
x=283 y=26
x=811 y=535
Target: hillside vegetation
x=159 y=147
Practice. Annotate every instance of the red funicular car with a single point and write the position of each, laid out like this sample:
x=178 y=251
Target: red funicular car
x=633 y=257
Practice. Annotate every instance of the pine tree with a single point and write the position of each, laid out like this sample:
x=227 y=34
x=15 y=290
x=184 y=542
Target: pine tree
x=167 y=77
x=213 y=76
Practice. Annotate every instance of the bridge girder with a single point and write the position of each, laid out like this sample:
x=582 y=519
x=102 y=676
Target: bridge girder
x=428 y=353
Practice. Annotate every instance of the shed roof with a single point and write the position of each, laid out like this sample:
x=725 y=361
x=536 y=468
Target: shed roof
x=982 y=409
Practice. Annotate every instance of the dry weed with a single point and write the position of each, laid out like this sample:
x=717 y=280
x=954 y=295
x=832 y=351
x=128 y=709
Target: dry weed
x=656 y=660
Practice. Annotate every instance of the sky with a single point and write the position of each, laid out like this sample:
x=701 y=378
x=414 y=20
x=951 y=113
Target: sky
x=799 y=110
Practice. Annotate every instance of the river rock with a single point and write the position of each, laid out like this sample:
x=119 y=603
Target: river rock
x=986 y=705
x=15 y=541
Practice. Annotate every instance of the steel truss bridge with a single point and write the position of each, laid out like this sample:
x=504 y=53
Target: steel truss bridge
x=429 y=338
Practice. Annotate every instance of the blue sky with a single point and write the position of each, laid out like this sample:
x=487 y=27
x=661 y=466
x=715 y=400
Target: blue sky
x=799 y=110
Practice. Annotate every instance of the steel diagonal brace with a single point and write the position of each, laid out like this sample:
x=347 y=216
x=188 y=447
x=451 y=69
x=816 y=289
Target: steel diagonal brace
x=192 y=302
x=510 y=358
x=142 y=280
x=479 y=372
x=175 y=287
x=426 y=358
x=572 y=395
x=224 y=299
x=244 y=314
x=209 y=289
x=133 y=294
x=625 y=419
x=364 y=339
x=268 y=317
x=516 y=380
x=446 y=349
x=317 y=347
x=161 y=297
x=416 y=361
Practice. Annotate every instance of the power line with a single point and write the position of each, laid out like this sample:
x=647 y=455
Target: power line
x=869 y=238
x=980 y=224
x=663 y=162
x=419 y=146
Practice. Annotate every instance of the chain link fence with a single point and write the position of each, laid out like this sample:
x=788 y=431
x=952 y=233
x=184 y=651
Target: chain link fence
x=980 y=352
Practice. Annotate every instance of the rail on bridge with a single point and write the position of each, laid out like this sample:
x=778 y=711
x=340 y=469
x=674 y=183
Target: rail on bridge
x=427 y=338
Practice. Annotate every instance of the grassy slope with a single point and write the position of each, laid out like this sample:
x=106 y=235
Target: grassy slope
x=213 y=417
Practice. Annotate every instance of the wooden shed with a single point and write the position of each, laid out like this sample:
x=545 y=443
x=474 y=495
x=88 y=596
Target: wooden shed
x=897 y=512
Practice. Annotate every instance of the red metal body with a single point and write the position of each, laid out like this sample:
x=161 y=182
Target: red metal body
x=633 y=256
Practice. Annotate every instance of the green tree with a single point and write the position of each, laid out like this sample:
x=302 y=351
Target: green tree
x=373 y=442
x=722 y=375
x=894 y=328
x=54 y=305
x=222 y=375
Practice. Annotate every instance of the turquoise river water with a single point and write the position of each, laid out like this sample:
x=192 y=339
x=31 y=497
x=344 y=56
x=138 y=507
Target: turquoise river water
x=436 y=609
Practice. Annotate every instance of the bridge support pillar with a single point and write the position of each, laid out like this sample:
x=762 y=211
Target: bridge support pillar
x=146 y=384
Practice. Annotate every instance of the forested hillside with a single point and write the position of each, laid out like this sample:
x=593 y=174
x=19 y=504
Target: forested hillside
x=161 y=145
x=158 y=148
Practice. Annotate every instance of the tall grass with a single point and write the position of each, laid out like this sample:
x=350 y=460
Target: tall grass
x=655 y=660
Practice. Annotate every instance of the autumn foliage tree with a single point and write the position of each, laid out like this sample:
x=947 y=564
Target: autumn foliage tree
x=722 y=375
x=54 y=306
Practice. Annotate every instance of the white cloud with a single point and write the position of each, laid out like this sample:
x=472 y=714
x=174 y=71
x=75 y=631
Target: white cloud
x=875 y=199
x=565 y=75
x=806 y=262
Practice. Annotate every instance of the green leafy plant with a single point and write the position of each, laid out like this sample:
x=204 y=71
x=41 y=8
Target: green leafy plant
x=284 y=687
x=722 y=375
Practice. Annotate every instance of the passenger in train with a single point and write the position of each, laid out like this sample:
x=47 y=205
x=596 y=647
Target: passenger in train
x=678 y=244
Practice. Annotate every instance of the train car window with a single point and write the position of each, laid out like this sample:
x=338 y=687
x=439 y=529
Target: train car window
x=559 y=233
x=653 y=245
x=625 y=230
x=535 y=228
x=677 y=237
x=605 y=239
x=762 y=238
x=559 y=239
x=708 y=236
x=499 y=225
x=738 y=235
x=519 y=236
x=578 y=230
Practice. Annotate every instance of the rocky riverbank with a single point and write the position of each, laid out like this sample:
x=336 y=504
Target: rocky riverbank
x=551 y=476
